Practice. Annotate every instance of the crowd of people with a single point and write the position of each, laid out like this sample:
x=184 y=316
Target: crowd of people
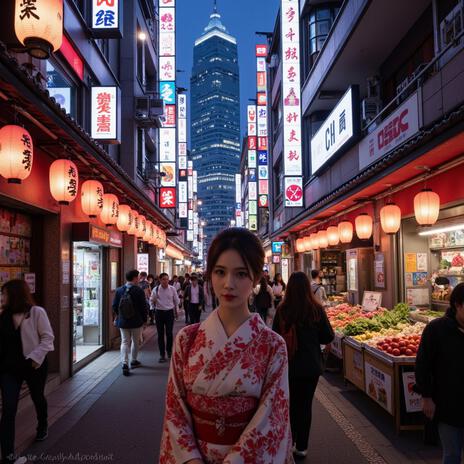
x=242 y=380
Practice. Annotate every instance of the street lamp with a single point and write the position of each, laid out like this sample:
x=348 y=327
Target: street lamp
x=203 y=223
x=142 y=36
x=199 y=202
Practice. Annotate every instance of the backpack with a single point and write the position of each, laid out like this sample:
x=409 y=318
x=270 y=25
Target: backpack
x=263 y=300
x=126 y=305
x=290 y=338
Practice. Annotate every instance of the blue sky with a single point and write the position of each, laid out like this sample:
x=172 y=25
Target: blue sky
x=242 y=18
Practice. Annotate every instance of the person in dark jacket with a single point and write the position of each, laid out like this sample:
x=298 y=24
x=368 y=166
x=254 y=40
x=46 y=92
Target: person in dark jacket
x=130 y=328
x=194 y=299
x=301 y=314
x=440 y=376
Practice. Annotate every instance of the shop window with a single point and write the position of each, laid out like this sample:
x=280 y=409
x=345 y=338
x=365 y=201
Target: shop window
x=141 y=161
x=61 y=88
x=15 y=245
x=87 y=300
x=451 y=21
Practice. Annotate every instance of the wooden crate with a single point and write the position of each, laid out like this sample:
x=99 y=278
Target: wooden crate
x=353 y=363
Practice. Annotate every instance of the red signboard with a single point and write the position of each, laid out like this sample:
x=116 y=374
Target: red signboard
x=262 y=143
x=252 y=143
x=71 y=56
x=261 y=50
x=261 y=99
x=170 y=115
x=167 y=197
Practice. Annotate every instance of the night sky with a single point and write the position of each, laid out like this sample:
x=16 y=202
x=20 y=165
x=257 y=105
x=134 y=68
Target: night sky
x=241 y=18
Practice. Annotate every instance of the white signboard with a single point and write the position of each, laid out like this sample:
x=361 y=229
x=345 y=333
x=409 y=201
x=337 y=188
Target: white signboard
x=167 y=68
x=336 y=131
x=142 y=262
x=183 y=192
x=169 y=178
x=105 y=14
x=182 y=106
x=252 y=158
x=167 y=137
x=371 y=301
x=293 y=191
x=252 y=191
x=379 y=386
x=183 y=211
x=182 y=134
x=167 y=43
x=104 y=108
x=238 y=188
x=392 y=132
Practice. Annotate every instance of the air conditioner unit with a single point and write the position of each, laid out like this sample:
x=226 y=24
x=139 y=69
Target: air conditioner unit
x=156 y=106
x=370 y=108
x=148 y=111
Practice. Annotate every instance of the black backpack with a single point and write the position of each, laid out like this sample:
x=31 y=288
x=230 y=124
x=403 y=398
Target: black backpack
x=263 y=300
x=126 y=305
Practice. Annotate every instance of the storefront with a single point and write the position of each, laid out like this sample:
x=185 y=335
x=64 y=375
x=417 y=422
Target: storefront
x=95 y=265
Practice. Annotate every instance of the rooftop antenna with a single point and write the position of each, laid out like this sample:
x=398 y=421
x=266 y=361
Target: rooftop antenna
x=215 y=7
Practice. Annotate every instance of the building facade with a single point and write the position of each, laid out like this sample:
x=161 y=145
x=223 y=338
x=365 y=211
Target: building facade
x=382 y=126
x=68 y=99
x=215 y=124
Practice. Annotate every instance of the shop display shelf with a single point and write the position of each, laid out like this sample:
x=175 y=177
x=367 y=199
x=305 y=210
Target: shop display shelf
x=447 y=248
x=385 y=357
x=336 y=346
x=352 y=342
x=441 y=302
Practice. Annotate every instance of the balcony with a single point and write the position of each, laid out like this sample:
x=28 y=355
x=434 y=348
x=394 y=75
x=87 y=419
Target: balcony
x=148 y=111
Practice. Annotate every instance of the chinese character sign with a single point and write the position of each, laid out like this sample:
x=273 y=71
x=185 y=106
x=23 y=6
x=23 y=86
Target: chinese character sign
x=167 y=197
x=105 y=15
x=104 y=107
x=291 y=98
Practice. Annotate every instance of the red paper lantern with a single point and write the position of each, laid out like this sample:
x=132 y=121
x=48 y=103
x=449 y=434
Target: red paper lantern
x=16 y=153
x=110 y=211
x=135 y=223
x=64 y=181
x=333 y=236
x=125 y=218
x=426 y=207
x=314 y=241
x=307 y=243
x=322 y=237
x=345 y=231
x=363 y=225
x=92 y=198
x=390 y=218
x=39 y=26
x=142 y=227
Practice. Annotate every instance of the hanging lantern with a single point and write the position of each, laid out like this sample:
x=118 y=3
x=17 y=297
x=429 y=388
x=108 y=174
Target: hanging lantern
x=146 y=235
x=142 y=227
x=300 y=246
x=125 y=218
x=110 y=210
x=92 y=198
x=426 y=207
x=333 y=236
x=345 y=231
x=64 y=181
x=306 y=244
x=390 y=218
x=16 y=153
x=363 y=225
x=39 y=26
x=135 y=223
x=322 y=237
x=314 y=241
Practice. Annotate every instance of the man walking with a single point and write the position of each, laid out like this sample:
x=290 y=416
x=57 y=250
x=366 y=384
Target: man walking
x=194 y=298
x=144 y=284
x=318 y=289
x=131 y=309
x=164 y=300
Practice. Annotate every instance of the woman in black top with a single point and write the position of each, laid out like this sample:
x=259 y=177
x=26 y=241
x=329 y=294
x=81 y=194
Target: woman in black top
x=302 y=321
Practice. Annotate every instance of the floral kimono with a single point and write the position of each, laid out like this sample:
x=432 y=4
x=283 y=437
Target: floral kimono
x=227 y=399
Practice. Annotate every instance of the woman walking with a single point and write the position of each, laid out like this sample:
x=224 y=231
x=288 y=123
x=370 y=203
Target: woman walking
x=263 y=298
x=278 y=289
x=303 y=323
x=25 y=339
x=227 y=394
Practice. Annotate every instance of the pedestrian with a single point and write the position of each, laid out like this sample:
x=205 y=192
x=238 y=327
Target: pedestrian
x=131 y=310
x=151 y=312
x=175 y=283
x=318 y=289
x=263 y=298
x=440 y=376
x=303 y=323
x=194 y=298
x=25 y=339
x=209 y=297
x=165 y=301
x=278 y=289
x=267 y=277
x=185 y=283
x=227 y=393
x=145 y=286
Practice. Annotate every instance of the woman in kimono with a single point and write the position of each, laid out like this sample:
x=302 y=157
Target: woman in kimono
x=227 y=398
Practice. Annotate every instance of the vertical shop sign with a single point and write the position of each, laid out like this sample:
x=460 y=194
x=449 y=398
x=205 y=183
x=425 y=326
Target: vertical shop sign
x=181 y=156
x=106 y=115
x=106 y=19
x=291 y=100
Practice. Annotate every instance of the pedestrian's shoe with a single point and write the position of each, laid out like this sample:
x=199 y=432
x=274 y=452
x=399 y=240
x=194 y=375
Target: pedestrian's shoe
x=299 y=454
x=169 y=355
x=42 y=434
x=20 y=460
x=162 y=359
x=135 y=363
x=125 y=370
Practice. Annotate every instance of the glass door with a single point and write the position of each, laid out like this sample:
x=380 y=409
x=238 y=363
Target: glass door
x=87 y=300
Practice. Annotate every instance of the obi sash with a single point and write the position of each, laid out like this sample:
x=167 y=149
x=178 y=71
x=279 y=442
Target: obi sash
x=220 y=420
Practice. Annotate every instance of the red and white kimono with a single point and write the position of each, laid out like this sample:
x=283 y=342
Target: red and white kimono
x=227 y=399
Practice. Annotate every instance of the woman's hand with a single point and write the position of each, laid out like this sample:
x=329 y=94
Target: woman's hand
x=35 y=365
x=428 y=407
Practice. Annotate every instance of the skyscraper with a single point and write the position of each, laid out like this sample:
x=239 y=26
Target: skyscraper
x=215 y=118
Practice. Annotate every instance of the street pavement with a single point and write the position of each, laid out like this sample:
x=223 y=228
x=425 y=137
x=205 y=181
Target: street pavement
x=123 y=423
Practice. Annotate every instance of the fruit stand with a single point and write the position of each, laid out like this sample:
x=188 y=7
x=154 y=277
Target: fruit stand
x=379 y=358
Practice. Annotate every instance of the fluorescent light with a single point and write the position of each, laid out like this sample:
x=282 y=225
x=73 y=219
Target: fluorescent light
x=442 y=229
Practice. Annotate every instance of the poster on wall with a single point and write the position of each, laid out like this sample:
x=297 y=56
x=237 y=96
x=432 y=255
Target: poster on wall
x=410 y=262
x=422 y=262
x=419 y=278
x=412 y=399
x=379 y=270
x=371 y=301
x=417 y=296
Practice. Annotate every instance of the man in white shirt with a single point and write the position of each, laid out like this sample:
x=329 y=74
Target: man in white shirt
x=194 y=298
x=165 y=301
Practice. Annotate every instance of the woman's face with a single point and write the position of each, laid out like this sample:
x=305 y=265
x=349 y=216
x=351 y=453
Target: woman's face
x=231 y=280
x=460 y=314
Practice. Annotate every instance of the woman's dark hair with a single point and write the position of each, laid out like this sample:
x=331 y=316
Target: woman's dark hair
x=276 y=281
x=246 y=244
x=19 y=296
x=456 y=298
x=262 y=285
x=299 y=306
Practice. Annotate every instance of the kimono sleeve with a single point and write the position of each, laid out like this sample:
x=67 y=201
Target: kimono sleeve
x=267 y=438
x=178 y=444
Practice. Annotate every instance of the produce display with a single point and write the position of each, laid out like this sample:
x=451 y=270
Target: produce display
x=400 y=346
x=344 y=314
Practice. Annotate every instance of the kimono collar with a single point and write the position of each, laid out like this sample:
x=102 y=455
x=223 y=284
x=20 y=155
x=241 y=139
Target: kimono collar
x=244 y=334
